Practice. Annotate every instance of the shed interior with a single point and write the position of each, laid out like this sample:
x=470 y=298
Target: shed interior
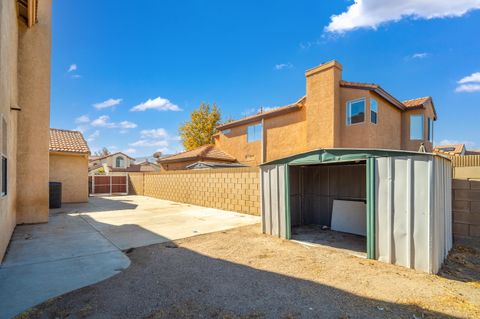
x=317 y=191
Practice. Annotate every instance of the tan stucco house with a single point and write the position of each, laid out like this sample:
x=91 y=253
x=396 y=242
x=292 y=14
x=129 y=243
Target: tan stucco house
x=206 y=156
x=25 y=42
x=119 y=163
x=334 y=113
x=69 y=164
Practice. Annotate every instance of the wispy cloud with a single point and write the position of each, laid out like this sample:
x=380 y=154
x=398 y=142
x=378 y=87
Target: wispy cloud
x=283 y=66
x=72 y=67
x=129 y=151
x=154 y=133
x=93 y=136
x=149 y=143
x=470 y=83
x=82 y=119
x=159 y=104
x=422 y=55
x=256 y=110
x=373 y=13
x=104 y=121
x=106 y=104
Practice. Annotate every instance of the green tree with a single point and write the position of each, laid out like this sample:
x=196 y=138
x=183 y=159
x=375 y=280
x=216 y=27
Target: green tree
x=201 y=127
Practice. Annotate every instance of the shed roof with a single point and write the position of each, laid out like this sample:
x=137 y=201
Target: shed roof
x=332 y=155
x=65 y=141
x=208 y=152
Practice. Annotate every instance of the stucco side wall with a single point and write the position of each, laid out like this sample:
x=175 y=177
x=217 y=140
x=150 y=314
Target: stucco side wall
x=414 y=145
x=8 y=99
x=385 y=134
x=72 y=172
x=235 y=143
x=34 y=46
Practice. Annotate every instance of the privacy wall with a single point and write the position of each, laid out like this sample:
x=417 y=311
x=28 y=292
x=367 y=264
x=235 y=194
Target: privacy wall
x=233 y=189
x=466 y=207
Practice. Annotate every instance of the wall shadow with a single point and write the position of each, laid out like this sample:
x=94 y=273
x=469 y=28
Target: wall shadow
x=170 y=281
x=95 y=204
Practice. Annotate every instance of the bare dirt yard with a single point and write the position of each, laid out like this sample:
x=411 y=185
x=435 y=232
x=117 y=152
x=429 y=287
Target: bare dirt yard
x=241 y=273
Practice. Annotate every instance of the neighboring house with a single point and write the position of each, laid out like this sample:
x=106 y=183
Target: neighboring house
x=116 y=162
x=333 y=114
x=69 y=164
x=191 y=159
x=455 y=150
x=25 y=42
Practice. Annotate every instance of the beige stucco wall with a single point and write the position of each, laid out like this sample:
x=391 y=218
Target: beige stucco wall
x=410 y=145
x=8 y=99
x=72 y=171
x=34 y=46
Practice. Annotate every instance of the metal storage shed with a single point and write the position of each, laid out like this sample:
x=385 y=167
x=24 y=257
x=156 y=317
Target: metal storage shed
x=408 y=213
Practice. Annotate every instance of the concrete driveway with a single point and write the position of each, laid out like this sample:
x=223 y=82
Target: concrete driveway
x=82 y=244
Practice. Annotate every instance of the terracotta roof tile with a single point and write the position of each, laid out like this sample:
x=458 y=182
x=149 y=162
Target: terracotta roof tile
x=416 y=102
x=208 y=151
x=67 y=141
x=452 y=149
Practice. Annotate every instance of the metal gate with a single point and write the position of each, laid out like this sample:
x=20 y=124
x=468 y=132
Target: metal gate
x=108 y=185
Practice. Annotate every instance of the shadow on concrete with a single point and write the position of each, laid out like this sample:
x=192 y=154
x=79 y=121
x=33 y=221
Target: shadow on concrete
x=463 y=261
x=169 y=281
x=95 y=204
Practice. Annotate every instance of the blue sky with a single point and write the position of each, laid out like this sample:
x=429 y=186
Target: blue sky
x=128 y=75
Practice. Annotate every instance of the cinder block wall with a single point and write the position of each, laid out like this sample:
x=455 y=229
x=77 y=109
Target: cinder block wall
x=229 y=189
x=466 y=207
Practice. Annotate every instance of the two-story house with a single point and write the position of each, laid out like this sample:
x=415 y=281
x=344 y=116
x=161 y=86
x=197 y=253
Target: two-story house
x=118 y=163
x=333 y=114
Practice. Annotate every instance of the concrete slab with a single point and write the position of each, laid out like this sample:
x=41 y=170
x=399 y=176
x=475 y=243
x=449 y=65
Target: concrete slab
x=81 y=244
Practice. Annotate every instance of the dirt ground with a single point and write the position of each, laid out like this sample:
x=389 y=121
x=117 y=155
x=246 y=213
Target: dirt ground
x=242 y=273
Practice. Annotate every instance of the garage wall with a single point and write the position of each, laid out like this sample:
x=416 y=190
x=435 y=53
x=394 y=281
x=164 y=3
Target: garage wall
x=72 y=172
x=233 y=189
x=314 y=188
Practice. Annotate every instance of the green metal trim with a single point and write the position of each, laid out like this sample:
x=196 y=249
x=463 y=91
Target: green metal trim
x=339 y=155
x=370 y=208
x=288 y=230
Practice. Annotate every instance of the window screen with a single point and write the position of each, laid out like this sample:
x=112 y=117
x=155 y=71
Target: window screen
x=254 y=133
x=356 y=112
x=416 y=127
x=3 y=156
x=430 y=130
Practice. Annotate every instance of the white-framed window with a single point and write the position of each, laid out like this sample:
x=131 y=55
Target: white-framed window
x=3 y=156
x=430 y=130
x=416 y=127
x=227 y=131
x=373 y=111
x=254 y=133
x=119 y=162
x=356 y=111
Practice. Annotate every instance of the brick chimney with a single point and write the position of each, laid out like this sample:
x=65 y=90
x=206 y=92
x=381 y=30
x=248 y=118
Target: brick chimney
x=323 y=105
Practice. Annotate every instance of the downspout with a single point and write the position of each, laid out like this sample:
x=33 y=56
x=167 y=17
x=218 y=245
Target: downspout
x=263 y=142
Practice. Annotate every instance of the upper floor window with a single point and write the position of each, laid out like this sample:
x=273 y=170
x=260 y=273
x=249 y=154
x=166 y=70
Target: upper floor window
x=119 y=162
x=3 y=156
x=430 y=130
x=416 y=127
x=254 y=133
x=373 y=111
x=355 y=111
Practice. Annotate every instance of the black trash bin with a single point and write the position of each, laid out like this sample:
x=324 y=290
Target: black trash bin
x=55 y=194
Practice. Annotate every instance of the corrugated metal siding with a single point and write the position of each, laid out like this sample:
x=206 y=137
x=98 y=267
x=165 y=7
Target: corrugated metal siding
x=413 y=211
x=273 y=200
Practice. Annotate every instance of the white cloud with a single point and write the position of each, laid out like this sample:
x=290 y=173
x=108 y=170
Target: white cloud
x=470 y=83
x=450 y=142
x=93 y=136
x=159 y=104
x=422 y=55
x=283 y=66
x=82 y=119
x=107 y=103
x=474 y=77
x=72 y=67
x=373 y=13
x=104 y=121
x=82 y=128
x=129 y=151
x=154 y=133
x=149 y=143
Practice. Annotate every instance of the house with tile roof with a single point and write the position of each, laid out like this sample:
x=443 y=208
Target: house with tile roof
x=206 y=156
x=454 y=150
x=68 y=164
x=334 y=113
x=119 y=163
